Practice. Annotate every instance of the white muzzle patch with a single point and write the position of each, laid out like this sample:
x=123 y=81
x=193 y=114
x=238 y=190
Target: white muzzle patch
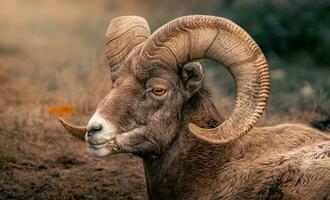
x=98 y=139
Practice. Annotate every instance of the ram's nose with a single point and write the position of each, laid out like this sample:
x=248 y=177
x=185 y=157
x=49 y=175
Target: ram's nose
x=93 y=128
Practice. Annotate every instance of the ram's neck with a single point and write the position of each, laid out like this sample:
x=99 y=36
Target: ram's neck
x=167 y=177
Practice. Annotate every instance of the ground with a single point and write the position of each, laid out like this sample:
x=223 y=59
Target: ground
x=45 y=163
x=52 y=64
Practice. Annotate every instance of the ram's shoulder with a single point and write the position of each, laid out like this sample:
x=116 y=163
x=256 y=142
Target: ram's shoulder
x=293 y=130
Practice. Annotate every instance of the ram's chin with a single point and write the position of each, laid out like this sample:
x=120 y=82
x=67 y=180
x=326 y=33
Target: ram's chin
x=99 y=152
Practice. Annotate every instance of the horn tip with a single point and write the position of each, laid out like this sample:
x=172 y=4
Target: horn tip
x=195 y=130
x=62 y=122
x=192 y=126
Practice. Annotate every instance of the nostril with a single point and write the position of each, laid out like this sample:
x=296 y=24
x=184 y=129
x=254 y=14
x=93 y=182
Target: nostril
x=93 y=129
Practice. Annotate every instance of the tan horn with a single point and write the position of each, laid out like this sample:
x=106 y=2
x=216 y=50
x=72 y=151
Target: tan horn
x=190 y=38
x=76 y=131
x=123 y=35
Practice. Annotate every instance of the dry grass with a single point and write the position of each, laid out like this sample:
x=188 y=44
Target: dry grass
x=52 y=63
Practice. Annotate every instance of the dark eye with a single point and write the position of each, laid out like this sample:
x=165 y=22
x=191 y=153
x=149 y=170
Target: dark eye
x=158 y=91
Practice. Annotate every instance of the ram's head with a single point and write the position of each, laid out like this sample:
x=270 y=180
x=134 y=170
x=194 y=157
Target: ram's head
x=154 y=76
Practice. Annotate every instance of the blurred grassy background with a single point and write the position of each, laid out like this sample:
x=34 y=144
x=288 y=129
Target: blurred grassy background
x=51 y=52
x=52 y=63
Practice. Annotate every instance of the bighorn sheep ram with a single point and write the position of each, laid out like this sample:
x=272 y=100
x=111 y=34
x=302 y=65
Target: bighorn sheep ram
x=160 y=110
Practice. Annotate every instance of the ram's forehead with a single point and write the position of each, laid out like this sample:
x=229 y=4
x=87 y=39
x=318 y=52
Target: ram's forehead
x=132 y=67
x=144 y=74
x=126 y=70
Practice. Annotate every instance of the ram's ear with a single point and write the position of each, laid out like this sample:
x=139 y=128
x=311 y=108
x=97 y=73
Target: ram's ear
x=192 y=76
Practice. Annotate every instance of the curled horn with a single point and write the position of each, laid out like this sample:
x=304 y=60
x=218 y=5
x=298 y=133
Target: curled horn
x=76 y=131
x=195 y=37
x=123 y=35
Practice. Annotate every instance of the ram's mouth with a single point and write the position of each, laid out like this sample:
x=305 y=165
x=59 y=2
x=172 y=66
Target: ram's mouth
x=97 y=146
x=100 y=144
x=112 y=142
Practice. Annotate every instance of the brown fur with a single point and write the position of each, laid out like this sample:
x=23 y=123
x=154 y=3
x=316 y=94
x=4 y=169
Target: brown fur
x=289 y=161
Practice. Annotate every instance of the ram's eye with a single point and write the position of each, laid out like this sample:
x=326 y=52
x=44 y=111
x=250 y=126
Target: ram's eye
x=158 y=91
